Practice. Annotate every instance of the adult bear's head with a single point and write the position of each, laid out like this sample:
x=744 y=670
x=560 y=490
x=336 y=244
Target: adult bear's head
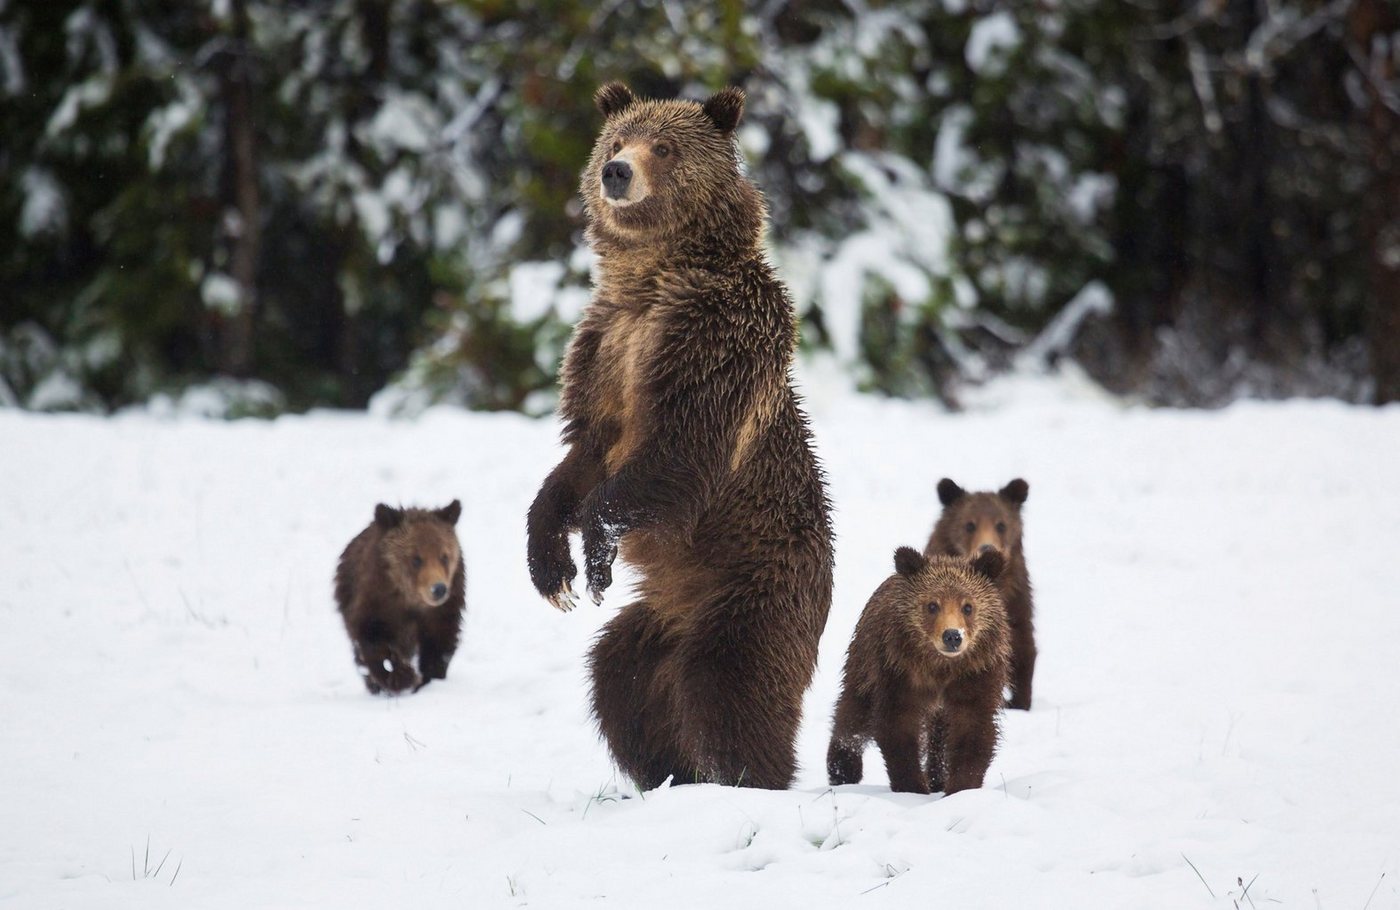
x=663 y=170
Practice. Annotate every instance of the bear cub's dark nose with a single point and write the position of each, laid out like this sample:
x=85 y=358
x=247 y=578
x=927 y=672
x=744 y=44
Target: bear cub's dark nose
x=617 y=176
x=986 y=548
x=440 y=591
x=952 y=639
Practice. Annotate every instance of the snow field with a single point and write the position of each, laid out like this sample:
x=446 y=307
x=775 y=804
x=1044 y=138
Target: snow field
x=1217 y=619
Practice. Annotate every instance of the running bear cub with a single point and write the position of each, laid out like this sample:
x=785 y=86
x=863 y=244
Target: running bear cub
x=924 y=675
x=974 y=522
x=401 y=589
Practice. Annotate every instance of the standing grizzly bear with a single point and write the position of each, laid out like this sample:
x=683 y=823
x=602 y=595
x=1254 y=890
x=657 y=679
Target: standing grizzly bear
x=924 y=674
x=401 y=589
x=687 y=449
x=974 y=522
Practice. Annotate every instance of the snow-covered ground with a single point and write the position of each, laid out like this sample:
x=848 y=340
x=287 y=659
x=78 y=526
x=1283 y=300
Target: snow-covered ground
x=1218 y=601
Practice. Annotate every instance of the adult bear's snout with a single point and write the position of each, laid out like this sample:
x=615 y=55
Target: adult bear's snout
x=617 y=177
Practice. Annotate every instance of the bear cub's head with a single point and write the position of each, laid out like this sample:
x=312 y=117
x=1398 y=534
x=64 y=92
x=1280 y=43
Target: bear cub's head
x=974 y=523
x=951 y=600
x=659 y=165
x=420 y=550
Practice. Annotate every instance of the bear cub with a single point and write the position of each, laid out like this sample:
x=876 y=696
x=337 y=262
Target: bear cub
x=401 y=589
x=924 y=675
x=972 y=523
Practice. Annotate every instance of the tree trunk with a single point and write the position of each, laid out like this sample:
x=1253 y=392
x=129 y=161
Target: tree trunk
x=236 y=328
x=1374 y=26
x=1274 y=335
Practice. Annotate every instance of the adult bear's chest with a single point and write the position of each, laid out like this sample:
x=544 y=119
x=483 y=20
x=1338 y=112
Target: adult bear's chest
x=629 y=339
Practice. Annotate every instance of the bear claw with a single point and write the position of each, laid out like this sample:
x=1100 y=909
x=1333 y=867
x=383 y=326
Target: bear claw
x=599 y=580
x=565 y=599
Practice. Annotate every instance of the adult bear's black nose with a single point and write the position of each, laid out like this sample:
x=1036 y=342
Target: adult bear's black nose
x=952 y=639
x=440 y=591
x=986 y=548
x=617 y=176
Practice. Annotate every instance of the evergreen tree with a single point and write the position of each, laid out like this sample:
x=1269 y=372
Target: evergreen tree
x=302 y=202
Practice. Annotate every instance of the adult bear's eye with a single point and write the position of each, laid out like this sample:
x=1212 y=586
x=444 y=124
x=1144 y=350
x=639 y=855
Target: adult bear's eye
x=662 y=150
x=967 y=609
x=1001 y=527
x=417 y=561
x=933 y=607
x=970 y=527
x=443 y=559
x=617 y=147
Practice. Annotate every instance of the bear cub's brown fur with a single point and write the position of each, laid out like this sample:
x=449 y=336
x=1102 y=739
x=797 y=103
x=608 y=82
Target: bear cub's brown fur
x=924 y=675
x=401 y=589
x=974 y=522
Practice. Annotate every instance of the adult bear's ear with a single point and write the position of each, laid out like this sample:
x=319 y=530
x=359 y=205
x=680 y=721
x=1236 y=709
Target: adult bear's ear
x=613 y=98
x=451 y=512
x=949 y=492
x=1015 y=492
x=725 y=108
x=989 y=563
x=387 y=518
x=909 y=561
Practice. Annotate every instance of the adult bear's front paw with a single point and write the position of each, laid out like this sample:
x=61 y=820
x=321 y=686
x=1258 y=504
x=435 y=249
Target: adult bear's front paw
x=599 y=551
x=552 y=570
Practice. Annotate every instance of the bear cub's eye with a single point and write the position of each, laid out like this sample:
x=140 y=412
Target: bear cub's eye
x=417 y=561
x=967 y=609
x=933 y=607
x=970 y=527
x=617 y=147
x=443 y=560
x=1001 y=527
x=661 y=150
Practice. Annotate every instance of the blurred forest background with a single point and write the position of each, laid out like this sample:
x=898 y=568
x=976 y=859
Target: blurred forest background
x=247 y=206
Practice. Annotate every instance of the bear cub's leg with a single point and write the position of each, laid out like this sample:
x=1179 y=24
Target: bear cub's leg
x=845 y=757
x=937 y=762
x=971 y=741
x=386 y=654
x=1022 y=669
x=899 y=734
x=432 y=661
x=437 y=642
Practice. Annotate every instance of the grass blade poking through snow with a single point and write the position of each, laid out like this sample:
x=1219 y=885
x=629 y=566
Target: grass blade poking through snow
x=1373 y=891
x=1199 y=875
x=146 y=870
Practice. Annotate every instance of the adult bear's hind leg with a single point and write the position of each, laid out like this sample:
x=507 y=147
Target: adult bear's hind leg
x=740 y=695
x=631 y=702
x=740 y=729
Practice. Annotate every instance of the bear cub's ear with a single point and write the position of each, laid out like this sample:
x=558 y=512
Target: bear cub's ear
x=989 y=563
x=1015 y=492
x=725 y=108
x=450 y=512
x=613 y=98
x=387 y=518
x=909 y=561
x=949 y=492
